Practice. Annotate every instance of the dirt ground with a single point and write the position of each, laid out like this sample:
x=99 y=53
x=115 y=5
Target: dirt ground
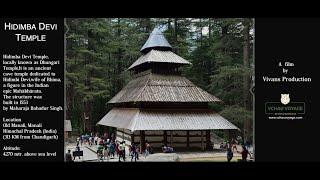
x=209 y=159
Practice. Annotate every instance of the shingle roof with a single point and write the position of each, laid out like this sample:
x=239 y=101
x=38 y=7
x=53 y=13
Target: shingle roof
x=162 y=88
x=160 y=57
x=165 y=119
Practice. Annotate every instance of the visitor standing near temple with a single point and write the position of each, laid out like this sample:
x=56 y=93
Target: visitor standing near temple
x=92 y=140
x=69 y=156
x=81 y=139
x=112 y=148
x=122 y=151
x=133 y=152
x=123 y=148
x=234 y=144
x=78 y=141
x=96 y=140
x=229 y=154
x=147 y=150
x=117 y=148
x=244 y=153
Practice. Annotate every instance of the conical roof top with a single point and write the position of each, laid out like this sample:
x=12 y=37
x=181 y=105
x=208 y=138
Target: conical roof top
x=156 y=40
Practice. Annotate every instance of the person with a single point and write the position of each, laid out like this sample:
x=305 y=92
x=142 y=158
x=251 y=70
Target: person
x=78 y=141
x=222 y=146
x=117 y=148
x=107 y=151
x=100 y=153
x=147 y=150
x=239 y=140
x=119 y=151
x=124 y=148
x=229 y=154
x=100 y=141
x=133 y=152
x=122 y=151
x=234 y=144
x=244 y=153
x=69 y=156
x=96 y=140
x=81 y=140
x=92 y=140
x=112 y=149
x=77 y=148
x=167 y=149
x=247 y=144
x=137 y=152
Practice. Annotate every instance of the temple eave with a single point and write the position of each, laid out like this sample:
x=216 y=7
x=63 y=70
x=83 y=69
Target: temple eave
x=135 y=119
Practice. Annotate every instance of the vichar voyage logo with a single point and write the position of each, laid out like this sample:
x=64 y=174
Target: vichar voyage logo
x=285 y=99
x=285 y=107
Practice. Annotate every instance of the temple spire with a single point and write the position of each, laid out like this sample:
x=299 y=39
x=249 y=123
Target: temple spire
x=156 y=41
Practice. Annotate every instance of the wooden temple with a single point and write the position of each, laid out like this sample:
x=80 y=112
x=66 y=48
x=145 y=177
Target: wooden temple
x=160 y=106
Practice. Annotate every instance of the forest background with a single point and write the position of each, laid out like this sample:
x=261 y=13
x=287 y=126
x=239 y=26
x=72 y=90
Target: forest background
x=99 y=51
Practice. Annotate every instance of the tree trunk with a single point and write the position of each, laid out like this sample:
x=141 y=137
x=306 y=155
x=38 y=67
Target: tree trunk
x=176 y=35
x=69 y=90
x=210 y=28
x=246 y=78
x=148 y=25
x=201 y=27
x=119 y=58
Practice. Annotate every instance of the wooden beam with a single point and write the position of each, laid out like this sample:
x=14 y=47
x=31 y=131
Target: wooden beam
x=202 y=148
x=208 y=140
x=132 y=138
x=142 y=141
x=171 y=138
x=123 y=132
x=165 y=140
x=174 y=135
x=188 y=139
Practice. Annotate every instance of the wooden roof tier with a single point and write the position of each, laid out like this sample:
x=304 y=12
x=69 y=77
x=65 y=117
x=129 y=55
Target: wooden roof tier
x=157 y=56
x=135 y=119
x=150 y=87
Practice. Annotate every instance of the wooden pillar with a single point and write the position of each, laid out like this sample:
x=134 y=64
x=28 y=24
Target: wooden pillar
x=165 y=137
x=188 y=139
x=227 y=134
x=202 y=148
x=208 y=140
x=171 y=137
x=142 y=141
x=132 y=137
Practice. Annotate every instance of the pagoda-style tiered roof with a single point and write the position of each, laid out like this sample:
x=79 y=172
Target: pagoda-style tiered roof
x=162 y=88
x=180 y=105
